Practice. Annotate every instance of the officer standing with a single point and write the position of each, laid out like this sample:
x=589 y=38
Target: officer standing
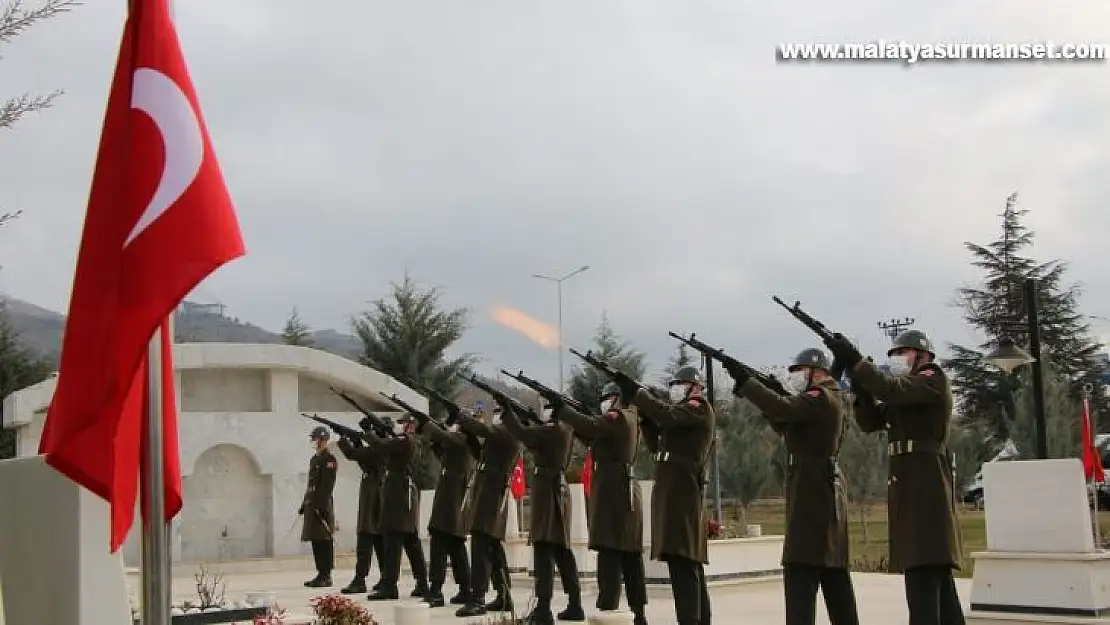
x=486 y=514
x=916 y=409
x=678 y=537
x=446 y=527
x=369 y=540
x=400 y=509
x=616 y=503
x=318 y=510
x=816 y=550
x=549 y=520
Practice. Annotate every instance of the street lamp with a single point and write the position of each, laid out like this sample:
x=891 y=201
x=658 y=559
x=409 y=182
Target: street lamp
x=1008 y=356
x=559 y=290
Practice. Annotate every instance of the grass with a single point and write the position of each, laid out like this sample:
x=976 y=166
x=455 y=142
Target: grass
x=867 y=531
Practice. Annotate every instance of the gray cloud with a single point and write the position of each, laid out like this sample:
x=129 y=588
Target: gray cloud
x=475 y=144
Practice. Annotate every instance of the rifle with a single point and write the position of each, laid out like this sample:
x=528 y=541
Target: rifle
x=818 y=328
x=454 y=411
x=340 y=430
x=614 y=374
x=381 y=429
x=526 y=413
x=547 y=392
x=407 y=407
x=729 y=362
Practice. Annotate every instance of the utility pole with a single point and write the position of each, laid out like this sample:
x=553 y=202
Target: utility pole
x=894 y=327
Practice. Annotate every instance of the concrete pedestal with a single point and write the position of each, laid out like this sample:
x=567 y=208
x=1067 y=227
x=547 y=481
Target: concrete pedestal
x=1041 y=565
x=411 y=613
x=63 y=533
x=610 y=617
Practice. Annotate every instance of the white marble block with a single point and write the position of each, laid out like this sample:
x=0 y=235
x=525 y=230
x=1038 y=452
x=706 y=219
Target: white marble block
x=59 y=571
x=427 y=497
x=1037 y=506
x=411 y=613
x=646 y=487
x=611 y=617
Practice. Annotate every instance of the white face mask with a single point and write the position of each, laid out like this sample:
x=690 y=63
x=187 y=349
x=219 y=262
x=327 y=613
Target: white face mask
x=453 y=428
x=398 y=428
x=545 y=414
x=497 y=418
x=796 y=381
x=677 y=392
x=899 y=364
x=607 y=405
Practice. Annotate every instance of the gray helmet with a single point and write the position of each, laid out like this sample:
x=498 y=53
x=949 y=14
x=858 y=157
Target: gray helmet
x=686 y=374
x=913 y=339
x=811 y=357
x=610 y=389
x=319 y=433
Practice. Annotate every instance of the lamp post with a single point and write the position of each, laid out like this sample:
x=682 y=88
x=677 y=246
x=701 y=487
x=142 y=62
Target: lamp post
x=1008 y=356
x=894 y=327
x=559 y=291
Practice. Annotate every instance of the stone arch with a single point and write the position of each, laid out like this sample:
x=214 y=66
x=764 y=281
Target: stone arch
x=228 y=509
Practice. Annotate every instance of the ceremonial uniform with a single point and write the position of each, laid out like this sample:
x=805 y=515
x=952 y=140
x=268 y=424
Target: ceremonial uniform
x=400 y=508
x=915 y=410
x=549 y=520
x=447 y=527
x=678 y=532
x=815 y=553
x=318 y=509
x=616 y=517
x=485 y=513
x=369 y=539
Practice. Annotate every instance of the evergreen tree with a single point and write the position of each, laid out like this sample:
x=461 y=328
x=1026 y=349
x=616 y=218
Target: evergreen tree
x=19 y=368
x=296 y=331
x=996 y=308
x=406 y=336
x=745 y=445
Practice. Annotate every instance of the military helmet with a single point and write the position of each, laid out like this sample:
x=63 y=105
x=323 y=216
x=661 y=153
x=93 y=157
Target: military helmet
x=686 y=374
x=914 y=339
x=319 y=433
x=811 y=357
x=609 y=389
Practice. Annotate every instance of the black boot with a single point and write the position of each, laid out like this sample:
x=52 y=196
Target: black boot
x=383 y=594
x=356 y=587
x=540 y=615
x=421 y=589
x=573 y=612
x=500 y=603
x=434 y=598
x=638 y=617
x=474 y=608
x=461 y=598
x=320 y=581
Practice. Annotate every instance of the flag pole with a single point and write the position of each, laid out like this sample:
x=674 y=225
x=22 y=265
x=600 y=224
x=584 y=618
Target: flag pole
x=155 y=560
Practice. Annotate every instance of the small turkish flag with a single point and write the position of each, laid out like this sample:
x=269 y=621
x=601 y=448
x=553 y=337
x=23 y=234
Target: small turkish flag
x=1092 y=462
x=587 y=471
x=518 y=483
x=159 y=221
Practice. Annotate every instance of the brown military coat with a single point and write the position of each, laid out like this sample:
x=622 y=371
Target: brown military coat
x=369 y=487
x=317 y=507
x=816 y=508
x=457 y=468
x=487 y=500
x=678 y=500
x=616 y=509
x=921 y=513
x=550 y=444
x=400 y=498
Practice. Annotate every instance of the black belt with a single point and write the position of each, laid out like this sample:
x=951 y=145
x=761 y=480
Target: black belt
x=548 y=471
x=666 y=456
x=914 y=446
x=795 y=459
x=625 y=468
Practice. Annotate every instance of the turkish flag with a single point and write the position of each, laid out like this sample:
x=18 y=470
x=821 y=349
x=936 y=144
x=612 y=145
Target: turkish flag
x=518 y=484
x=159 y=221
x=1092 y=462
x=587 y=470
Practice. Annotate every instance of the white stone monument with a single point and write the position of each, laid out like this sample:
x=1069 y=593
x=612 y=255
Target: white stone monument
x=58 y=570
x=1041 y=564
x=580 y=532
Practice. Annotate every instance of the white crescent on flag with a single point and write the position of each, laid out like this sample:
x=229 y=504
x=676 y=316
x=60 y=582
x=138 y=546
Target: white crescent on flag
x=158 y=96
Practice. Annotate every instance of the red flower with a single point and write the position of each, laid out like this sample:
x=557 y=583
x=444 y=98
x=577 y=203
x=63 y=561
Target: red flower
x=713 y=528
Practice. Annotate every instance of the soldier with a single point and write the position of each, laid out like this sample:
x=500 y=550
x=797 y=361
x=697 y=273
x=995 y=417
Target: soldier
x=317 y=508
x=678 y=537
x=616 y=517
x=400 y=507
x=486 y=514
x=446 y=526
x=816 y=549
x=369 y=539
x=916 y=410
x=551 y=445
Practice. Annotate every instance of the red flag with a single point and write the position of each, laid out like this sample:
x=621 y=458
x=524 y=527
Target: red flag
x=587 y=470
x=517 y=485
x=159 y=221
x=1092 y=462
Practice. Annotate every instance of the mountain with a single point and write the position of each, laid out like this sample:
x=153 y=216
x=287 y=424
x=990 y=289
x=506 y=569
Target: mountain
x=41 y=329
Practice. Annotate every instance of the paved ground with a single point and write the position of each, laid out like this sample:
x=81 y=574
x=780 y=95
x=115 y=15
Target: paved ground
x=880 y=598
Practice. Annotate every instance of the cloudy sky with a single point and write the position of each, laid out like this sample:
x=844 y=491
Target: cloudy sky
x=473 y=144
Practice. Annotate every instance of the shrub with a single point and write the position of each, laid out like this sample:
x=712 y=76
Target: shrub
x=340 y=610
